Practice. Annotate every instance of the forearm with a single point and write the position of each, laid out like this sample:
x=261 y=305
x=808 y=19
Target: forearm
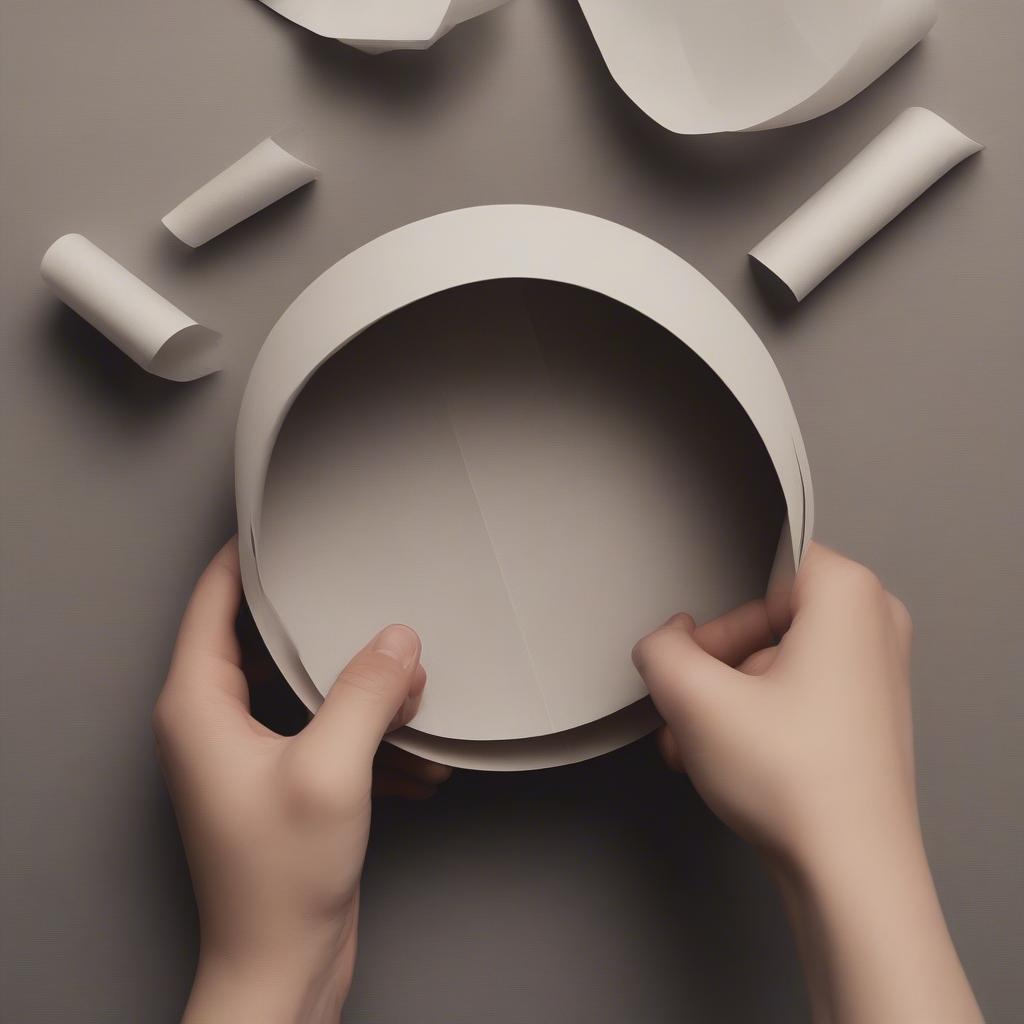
x=281 y=992
x=872 y=936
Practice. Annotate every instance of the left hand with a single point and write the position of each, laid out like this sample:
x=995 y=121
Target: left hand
x=275 y=828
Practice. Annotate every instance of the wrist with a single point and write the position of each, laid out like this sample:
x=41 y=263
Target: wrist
x=296 y=988
x=871 y=931
x=869 y=856
x=877 y=887
x=874 y=887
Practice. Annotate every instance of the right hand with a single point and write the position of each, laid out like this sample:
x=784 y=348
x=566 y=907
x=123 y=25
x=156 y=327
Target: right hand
x=801 y=745
x=805 y=749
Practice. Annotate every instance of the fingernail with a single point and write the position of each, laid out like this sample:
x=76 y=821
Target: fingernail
x=398 y=642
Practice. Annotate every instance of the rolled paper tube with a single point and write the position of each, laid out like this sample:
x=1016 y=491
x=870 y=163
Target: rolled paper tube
x=882 y=180
x=139 y=321
x=264 y=175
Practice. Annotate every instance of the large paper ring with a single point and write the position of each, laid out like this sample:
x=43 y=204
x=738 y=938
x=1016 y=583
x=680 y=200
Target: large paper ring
x=489 y=243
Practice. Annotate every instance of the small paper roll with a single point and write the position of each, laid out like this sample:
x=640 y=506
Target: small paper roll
x=139 y=321
x=883 y=179
x=264 y=175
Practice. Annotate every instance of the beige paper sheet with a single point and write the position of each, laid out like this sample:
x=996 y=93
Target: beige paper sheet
x=698 y=68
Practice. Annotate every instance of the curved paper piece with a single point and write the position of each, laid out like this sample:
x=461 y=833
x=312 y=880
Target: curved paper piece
x=376 y=26
x=139 y=321
x=898 y=165
x=265 y=174
x=698 y=68
x=486 y=710
x=555 y=750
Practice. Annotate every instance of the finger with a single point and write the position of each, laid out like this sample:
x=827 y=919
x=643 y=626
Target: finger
x=393 y=759
x=364 y=701
x=684 y=680
x=208 y=625
x=827 y=577
x=737 y=634
x=759 y=663
x=670 y=750
x=401 y=787
x=205 y=670
x=830 y=592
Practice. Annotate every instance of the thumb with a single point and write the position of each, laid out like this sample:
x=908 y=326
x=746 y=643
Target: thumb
x=685 y=682
x=378 y=684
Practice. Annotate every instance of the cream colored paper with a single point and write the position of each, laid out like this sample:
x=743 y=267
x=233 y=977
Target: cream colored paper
x=698 y=68
x=520 y=618
x=264 y=175
x=139 y=321
x=551 y=751
x=376 y=26
x=883 y=179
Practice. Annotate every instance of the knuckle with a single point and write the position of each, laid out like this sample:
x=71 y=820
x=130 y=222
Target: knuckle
x=665 y=638
x=648 y=650
x=364 y=677
x=640 y=652
x=315 y=788
x=859 y=581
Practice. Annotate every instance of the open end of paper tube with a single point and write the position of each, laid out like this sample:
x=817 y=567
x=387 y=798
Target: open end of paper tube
x=192 y=353
x=697 y=68
x=138 y=320
x=531 y=475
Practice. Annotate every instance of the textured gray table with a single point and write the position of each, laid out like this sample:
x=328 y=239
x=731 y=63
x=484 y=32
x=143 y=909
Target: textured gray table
x=601 y=893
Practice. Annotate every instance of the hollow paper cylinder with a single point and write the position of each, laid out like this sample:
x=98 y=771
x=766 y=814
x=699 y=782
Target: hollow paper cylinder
x=883 y=179
x=264 y=175
x=139 y=321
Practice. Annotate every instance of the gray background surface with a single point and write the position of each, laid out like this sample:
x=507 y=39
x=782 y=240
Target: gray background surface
x=599 y=893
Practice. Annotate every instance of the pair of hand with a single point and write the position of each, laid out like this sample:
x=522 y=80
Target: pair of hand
x=802 y=747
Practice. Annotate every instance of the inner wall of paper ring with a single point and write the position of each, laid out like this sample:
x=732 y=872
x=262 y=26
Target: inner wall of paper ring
x=486 y=243
x=531 y=474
